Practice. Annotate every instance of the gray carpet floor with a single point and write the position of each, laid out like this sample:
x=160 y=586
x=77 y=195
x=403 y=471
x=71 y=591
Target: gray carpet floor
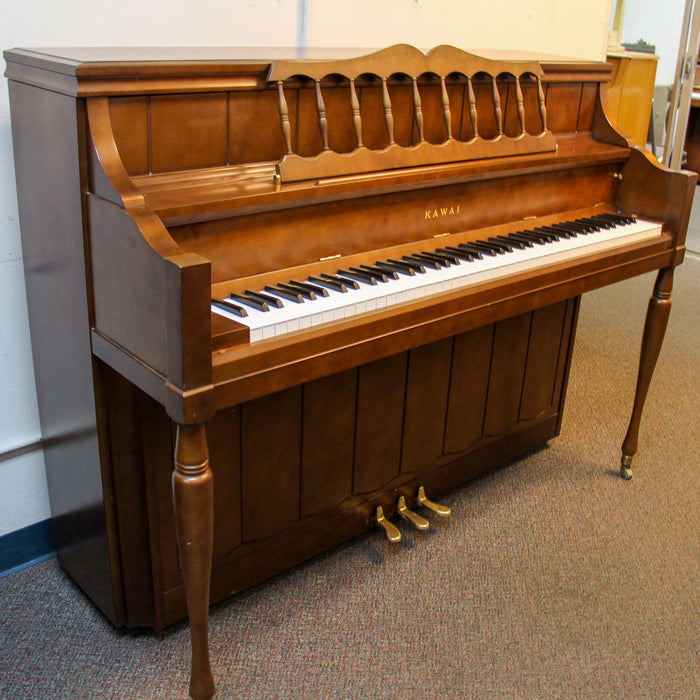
x=552 y=579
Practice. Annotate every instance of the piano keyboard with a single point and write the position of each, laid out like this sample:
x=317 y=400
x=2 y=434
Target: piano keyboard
x=301 y=304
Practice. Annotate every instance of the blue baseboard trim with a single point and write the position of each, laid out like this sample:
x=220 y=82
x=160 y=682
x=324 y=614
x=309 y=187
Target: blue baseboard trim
x=25 y=547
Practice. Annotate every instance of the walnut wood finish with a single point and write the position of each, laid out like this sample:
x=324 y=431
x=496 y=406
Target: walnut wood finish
x=652 y=339
x=164 y=174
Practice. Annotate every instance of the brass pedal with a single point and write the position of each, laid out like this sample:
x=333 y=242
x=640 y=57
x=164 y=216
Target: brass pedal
x=416 y=520
x=435 y=507
x=393 y=534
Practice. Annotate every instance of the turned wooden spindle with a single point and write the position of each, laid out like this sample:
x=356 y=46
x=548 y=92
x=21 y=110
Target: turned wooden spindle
x=652 y=339
x=355 y=107
x=193 y=502
x=446 y=114
x=388 y=115
x=472 y=106
x=284 y=117
x=497 y=106
x=519 y=104
x=417 y=110
x=321 y=112
x=540 y=99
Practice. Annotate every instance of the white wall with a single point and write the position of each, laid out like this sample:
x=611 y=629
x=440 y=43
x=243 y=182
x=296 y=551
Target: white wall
x=562 y=27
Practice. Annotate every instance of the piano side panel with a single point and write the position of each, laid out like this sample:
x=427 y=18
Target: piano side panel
x=328 y=441
x=380 y=409
x=471 y=365
x=427 y=389
x=270 y=463
x=47 y=129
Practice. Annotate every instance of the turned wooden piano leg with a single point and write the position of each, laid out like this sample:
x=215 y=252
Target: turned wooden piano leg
x=654 y=330
x=193 y=499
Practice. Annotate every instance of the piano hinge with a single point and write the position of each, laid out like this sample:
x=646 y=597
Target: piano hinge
x=527 y=218
x=329 y=257
x=617 y=176
x=441 y=235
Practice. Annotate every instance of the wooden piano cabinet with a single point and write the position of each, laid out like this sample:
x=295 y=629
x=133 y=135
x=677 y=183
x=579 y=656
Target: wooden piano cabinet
x=304 y=469
x=187 y=459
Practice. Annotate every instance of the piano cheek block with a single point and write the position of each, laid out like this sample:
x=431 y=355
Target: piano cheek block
x=252 y=316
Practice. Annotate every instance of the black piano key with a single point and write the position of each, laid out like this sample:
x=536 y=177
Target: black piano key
x=250 y=301
x=512 y=242
x=580 y=226
x=301 y=291
x=565 y=230
x=230 y=307
x=269 y=300
x=306 y=287
x=599 y=224
x=593 y=226
x=360 y=276
x=461 y=254
x=559 y=232
x=286 y=293
x=337 y=285
x=506 y=245
x=444 y=260
x=527 y=242
x=444 y=253
x=543 y=238
x=402 y=268
x=499 y=250
x=349 y=283
x=615 y=219
x=382 y=275
x=477 y=250
x=422 y=260
x=426 y=255
x=555 y=235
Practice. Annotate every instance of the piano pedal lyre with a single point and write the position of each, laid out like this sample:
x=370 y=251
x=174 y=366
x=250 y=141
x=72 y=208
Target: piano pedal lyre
x=406 y=513
x=435 y=507
x=393 y=534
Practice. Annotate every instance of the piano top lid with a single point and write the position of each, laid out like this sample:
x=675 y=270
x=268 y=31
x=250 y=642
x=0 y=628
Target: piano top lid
x=91 y=71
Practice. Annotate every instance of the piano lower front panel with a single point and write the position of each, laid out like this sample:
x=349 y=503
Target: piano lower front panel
x=304 y=469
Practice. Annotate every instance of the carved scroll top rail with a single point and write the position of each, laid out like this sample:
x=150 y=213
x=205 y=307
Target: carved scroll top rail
x=403 y=60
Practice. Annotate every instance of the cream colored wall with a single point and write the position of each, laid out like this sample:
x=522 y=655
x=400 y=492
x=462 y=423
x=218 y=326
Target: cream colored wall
x=574 y=28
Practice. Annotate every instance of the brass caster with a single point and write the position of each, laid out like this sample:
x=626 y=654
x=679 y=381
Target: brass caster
x=435 y=507
x=626 y=467
x=393 y=534
x=413 y=518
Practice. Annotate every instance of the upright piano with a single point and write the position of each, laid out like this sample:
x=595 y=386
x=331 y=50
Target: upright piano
x=278 y=300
